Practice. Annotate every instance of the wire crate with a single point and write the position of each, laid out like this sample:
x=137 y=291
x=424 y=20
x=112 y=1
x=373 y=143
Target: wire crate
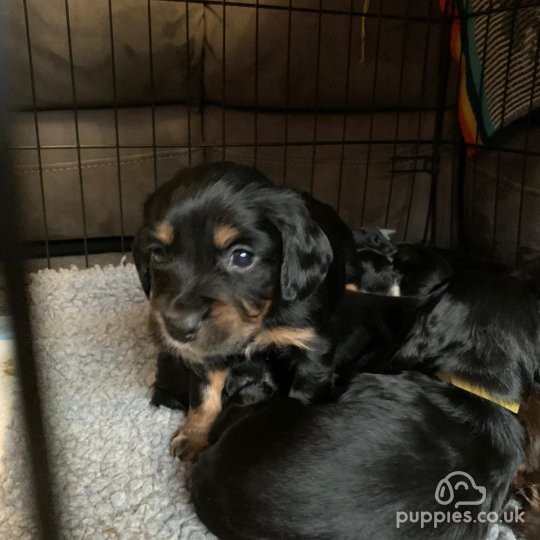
x=419 y=116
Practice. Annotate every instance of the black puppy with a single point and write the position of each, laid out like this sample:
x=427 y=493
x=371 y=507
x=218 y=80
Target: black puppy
x=411 y=269
x=373 y=271
x=400 y=270
x=418 y=269
x=357 y=468
x=234 y=266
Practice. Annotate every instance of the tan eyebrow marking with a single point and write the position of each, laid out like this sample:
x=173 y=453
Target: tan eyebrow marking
x=224 y=235
x=164 y=232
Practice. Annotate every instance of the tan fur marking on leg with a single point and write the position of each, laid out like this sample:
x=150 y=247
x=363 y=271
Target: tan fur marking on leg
x=192 y=437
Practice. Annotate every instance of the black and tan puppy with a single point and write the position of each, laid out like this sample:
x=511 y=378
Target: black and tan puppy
x=234 y=266
x=359 y=467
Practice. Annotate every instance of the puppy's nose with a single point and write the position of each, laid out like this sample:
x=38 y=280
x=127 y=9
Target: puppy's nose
x=184 y=323
x=183 y=329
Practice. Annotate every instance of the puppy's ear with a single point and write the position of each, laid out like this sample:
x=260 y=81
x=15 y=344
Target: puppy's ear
x=141 y=257
x=307 y=252
x=374 y=239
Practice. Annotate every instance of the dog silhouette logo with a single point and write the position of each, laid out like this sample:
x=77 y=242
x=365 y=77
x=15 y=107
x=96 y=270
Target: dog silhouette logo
x=456 y=484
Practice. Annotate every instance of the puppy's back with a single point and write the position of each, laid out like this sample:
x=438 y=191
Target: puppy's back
x=341 y=470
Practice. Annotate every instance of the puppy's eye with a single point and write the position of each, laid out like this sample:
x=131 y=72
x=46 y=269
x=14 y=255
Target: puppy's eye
x=242 y=258
x=158 y=254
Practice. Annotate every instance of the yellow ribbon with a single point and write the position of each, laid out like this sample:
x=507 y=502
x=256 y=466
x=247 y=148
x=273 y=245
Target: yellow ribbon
x=478 y=391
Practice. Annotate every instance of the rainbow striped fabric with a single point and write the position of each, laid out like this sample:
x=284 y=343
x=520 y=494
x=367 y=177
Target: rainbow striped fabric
x=495 y=44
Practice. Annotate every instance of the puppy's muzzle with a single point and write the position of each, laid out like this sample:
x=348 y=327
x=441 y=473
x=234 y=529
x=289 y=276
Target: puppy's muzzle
x=184 y=323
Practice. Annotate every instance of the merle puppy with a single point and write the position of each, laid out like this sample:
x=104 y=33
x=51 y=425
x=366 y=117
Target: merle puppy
x=343 y=470
x=234 y=267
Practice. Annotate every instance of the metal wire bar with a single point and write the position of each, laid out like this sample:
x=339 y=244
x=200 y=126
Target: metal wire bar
x=444 y=70
x=326 y=11
x=116 y=130
x=11 y=261
x=337 y=142
x=419 y=126
x=400 y=92
x=256 y=88
x=26 y=369
x=317 y=97
x=372 y=118
x=77 y=134
x=36 y=131
x=223 y=83
x=67 y=248
x=152 y=90
x=503 y=111
x=287 y=93
x=304 y=110
x=459 y=211
x=346 y=100
x=477 y=134
x=188 y=76
x=456 y=199
x=524 y=169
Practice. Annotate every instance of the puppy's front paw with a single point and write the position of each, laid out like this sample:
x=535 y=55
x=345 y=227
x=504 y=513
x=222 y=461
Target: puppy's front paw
x=187 y=445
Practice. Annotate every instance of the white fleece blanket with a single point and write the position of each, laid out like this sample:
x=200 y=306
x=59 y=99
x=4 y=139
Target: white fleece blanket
x=109 y=447
x=110 y=457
